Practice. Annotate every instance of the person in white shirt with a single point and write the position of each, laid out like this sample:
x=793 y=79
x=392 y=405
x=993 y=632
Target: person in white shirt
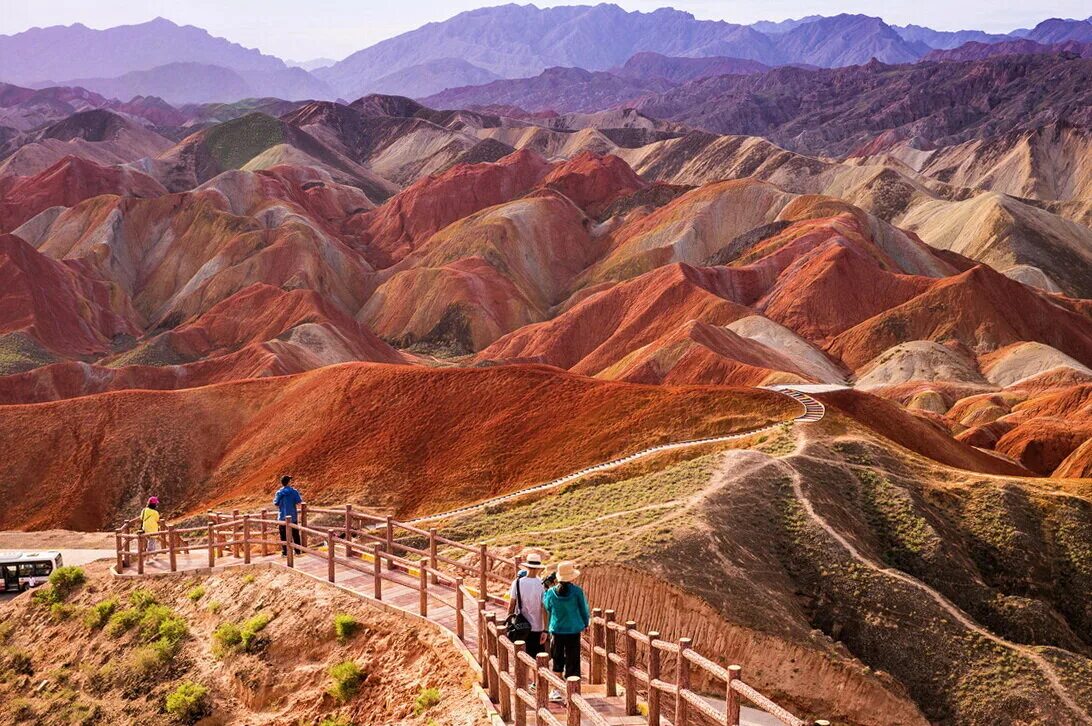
x=528 y=591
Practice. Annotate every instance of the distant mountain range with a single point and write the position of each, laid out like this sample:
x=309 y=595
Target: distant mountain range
x=187 y=64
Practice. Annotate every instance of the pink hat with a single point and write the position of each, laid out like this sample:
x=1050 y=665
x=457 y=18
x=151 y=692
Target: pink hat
x=153 y=500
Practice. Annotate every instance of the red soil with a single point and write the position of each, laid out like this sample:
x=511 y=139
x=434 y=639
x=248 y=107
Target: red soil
x=59 y=304
x=915 y=433
x=404 y=438
x=993 y=311
x=67 y=183
x=834 y=287
x=593 y=181
x=605 y=327
x=392 y=231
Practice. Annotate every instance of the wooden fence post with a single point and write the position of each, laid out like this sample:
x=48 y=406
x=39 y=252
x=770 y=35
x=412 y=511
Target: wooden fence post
x=460 y=626
x=520 y=716
x=303 y=523
x=483 y=571
x=348 y=528
x=265 y=533
x=542 y=686
x=330 y=540
x=572 y=687
x=653 y=676
x=612 y=668
x=390 y=541
x=246 y=539
x=212 y=545
x=596 y=675
x=631 y=663
x=172 y=557
x=483 y=650
x=117 y=547
x=140 y=553
x=127 y=543
x=235 y=533
x=732 y=715
x=433 y=562
x=505 y=691
x=491 y=653
x=377 y=571
x=422 y=585
x=290 y=540
x=682 y=680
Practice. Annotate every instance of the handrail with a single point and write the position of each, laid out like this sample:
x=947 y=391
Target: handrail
x=507 y=671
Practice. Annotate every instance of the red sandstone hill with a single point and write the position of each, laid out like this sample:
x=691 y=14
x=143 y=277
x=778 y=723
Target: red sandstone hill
x=61 y=307
x=392 y=231
x=994 y=311
x=66 y=183
x=405 y=438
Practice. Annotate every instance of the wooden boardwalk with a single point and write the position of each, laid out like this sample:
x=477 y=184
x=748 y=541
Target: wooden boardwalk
x=629 y=678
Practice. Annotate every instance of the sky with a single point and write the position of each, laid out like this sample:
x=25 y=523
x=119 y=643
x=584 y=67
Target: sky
x=305 y=29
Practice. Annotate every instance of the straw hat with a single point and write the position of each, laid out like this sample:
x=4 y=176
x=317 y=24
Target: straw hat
x=567 y=572
x=533 y=561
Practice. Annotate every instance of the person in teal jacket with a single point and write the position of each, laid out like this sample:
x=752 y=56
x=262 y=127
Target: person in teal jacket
x=567 y=608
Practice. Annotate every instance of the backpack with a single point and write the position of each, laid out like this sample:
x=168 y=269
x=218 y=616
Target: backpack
x=518 y=627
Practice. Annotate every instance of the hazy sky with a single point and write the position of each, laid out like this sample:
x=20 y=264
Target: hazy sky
x=304 y=29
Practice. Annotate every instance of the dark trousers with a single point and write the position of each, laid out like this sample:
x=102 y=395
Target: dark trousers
x=284 y=541
x=567 y=653
x=533 y=645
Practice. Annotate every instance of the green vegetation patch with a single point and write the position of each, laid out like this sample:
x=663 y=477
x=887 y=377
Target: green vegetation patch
x=230 y=638
x=346 y=678
x=345 y=627
x=188 y=703
x=234 y=143
x=611 y=519
x=62 y=582
x=426 y=699
x=99 y=614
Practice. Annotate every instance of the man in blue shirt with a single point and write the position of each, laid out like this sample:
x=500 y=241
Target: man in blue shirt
x=285 y=501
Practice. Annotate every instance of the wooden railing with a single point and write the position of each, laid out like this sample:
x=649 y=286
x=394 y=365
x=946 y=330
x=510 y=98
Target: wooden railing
x=645 y=668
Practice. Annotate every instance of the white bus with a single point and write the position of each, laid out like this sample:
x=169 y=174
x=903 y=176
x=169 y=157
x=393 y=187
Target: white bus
x=24 y=570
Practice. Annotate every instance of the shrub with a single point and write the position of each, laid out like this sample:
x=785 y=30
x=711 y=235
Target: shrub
x=347 y=677
x=226 y=638
x=59 y=611
x=18 y=661
x=189 y=702
x=5 y=630
x=249 y=632
x=345 y=627
x=100 y=613
x=213 y=607
x=121 y=621
x=426 y=699
x=46 y=597
x=142 y=599
x=152 y=617
x=173 y=630
x=336 y=721
x=229 y=637
x=67 y=579
x=248 y=579
x=196 y=593
x=150 y=661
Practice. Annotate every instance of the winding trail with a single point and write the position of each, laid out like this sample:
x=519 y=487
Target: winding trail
x=813 y=411
x=947 y=605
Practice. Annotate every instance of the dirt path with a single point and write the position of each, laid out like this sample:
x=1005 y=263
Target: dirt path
x=947 y=605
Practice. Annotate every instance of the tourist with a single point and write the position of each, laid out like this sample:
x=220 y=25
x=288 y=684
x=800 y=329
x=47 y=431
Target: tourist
x=149 y=525
x=568 y=615
x=285 y=501
x=526 y=601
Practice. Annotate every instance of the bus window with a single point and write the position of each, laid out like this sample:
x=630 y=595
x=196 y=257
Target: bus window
x=26 y=569
x=42 y=569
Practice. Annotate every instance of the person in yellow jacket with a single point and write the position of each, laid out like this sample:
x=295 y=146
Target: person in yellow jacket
x=149 y=524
